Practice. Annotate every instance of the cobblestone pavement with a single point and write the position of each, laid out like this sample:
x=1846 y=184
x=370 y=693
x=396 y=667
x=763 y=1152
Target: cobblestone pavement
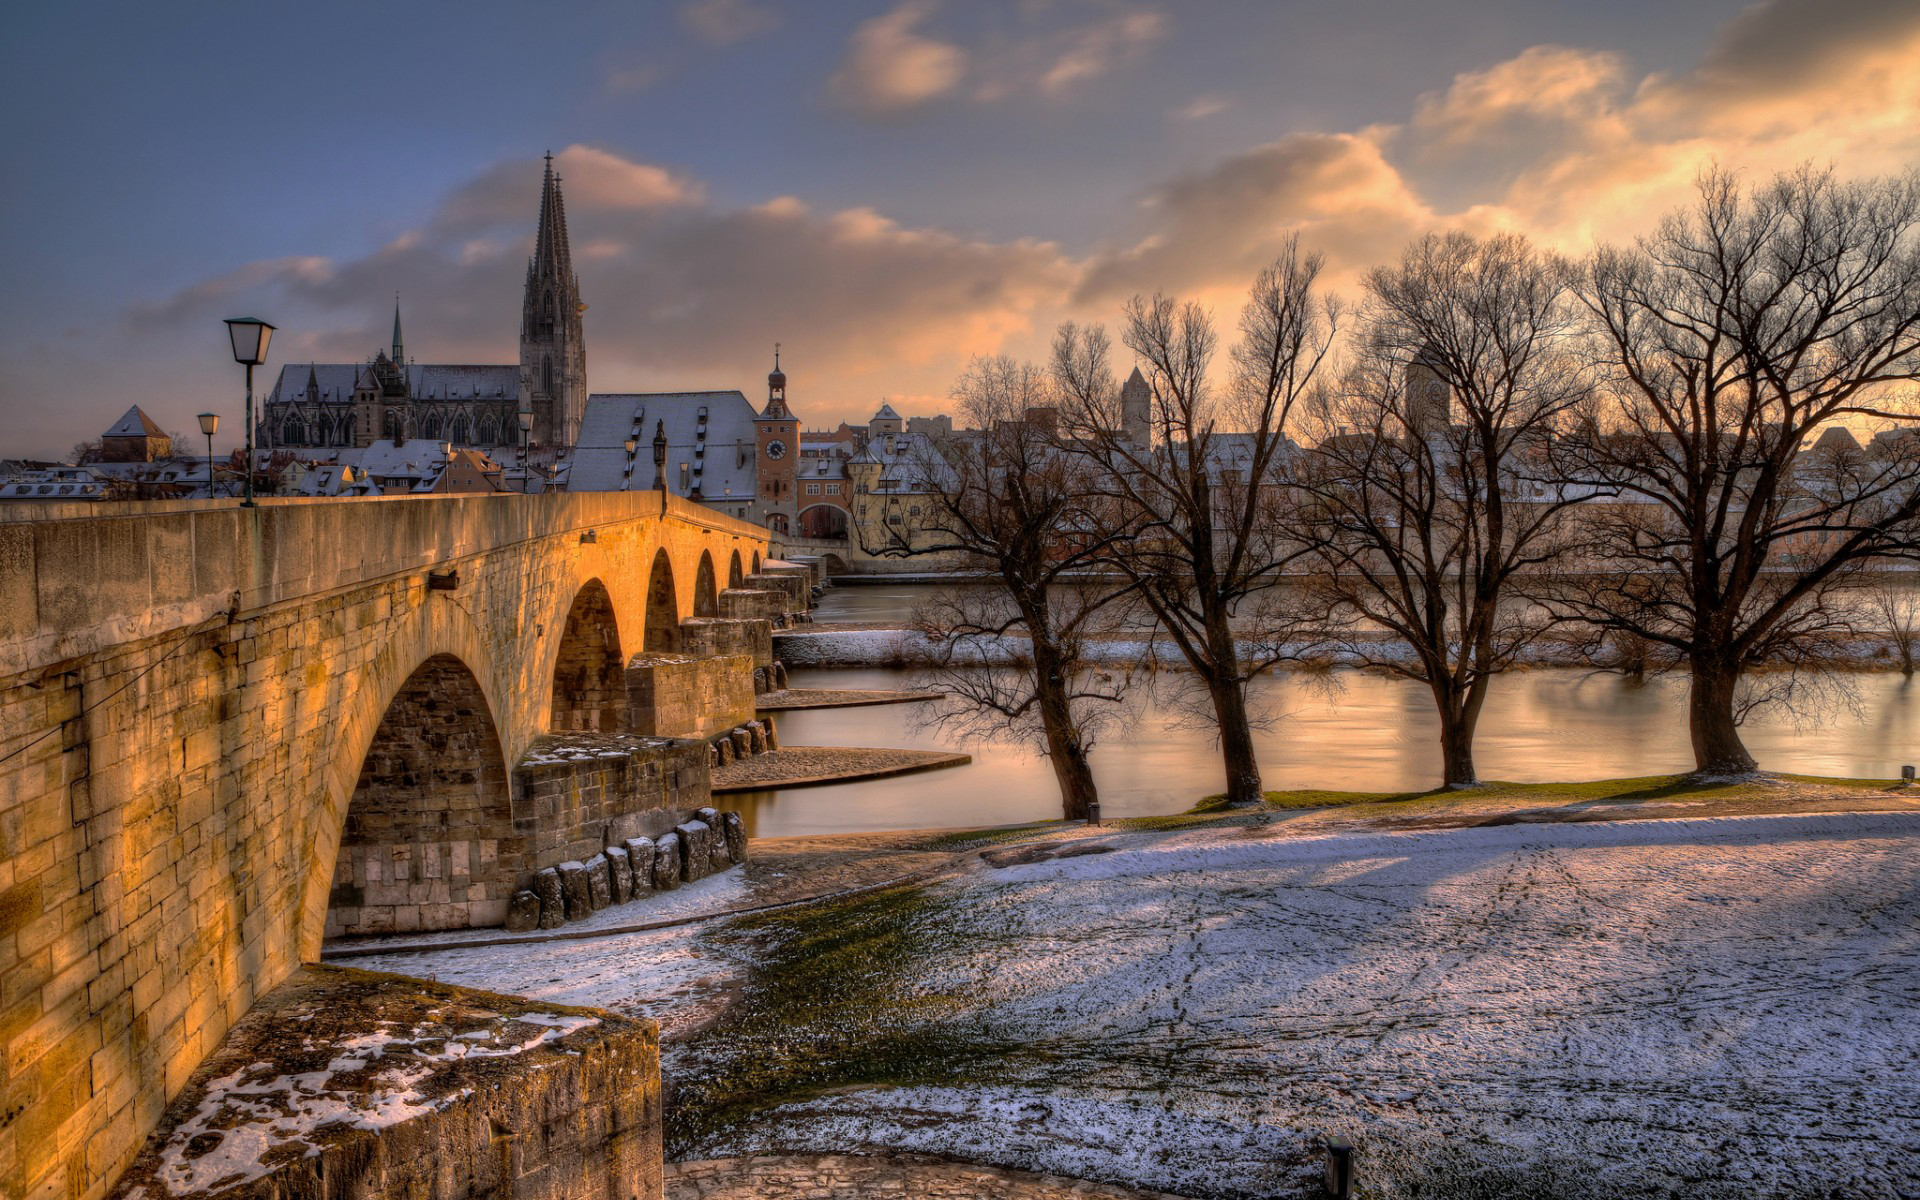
x=793 y=766
x=845 y=1177
x=787 y=699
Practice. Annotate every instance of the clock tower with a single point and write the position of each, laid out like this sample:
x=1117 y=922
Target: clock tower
x=777 y=431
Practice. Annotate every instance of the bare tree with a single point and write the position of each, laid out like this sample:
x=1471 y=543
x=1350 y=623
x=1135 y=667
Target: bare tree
x=1734 y=335
x=1425 y=493
x=1892 y=604
x=1009 y=501
x=1203 y=549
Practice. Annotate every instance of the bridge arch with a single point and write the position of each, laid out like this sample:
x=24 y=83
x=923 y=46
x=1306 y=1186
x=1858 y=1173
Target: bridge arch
x=589 y=670
x=417 y=846
x=663 y=606
x=706 y=598
x=756 y=562
x=734 y=574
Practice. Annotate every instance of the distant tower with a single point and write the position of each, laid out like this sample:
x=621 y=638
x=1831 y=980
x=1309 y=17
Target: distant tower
x=1429 y=401
x=1136 y=407
x=778 y=432
x=553 y=349
x=399 y=347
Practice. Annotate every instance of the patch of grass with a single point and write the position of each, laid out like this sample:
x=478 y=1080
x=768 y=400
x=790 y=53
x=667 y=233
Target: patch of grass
x=968 y=839
x=1617 y=791
x=837 y=999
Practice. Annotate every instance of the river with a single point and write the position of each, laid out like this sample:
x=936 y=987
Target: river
x=1369 y=732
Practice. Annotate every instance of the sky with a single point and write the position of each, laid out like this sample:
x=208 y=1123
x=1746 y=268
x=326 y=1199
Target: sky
x=886 y=188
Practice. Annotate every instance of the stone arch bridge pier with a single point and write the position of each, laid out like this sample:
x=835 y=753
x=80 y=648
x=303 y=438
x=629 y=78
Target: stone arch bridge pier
x=230 y=733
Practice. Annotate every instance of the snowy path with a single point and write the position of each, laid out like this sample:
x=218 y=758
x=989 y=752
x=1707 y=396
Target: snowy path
x=1725 y=1007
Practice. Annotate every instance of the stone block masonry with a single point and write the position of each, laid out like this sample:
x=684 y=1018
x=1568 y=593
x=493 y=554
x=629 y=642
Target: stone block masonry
x=453 y=1095
x=684 y=696
x=585 y=792
x=190 y=695
x=713 y=636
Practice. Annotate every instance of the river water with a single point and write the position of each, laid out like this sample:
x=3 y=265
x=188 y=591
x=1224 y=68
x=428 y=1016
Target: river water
x=1370 y=732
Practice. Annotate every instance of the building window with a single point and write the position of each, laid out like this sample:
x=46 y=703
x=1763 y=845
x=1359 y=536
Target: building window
x=833 y=489
x=813 y=489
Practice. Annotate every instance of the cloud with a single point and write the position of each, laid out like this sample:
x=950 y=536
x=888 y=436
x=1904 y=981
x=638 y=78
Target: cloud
x=1201 y=107
x=1219 y=226
x=890 y=68
x=1095 y=49
x=682 y=292
x=724 y=22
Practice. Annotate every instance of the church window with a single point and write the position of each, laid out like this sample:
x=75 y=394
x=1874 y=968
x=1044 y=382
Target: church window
x=462 y=431
x=430 y=428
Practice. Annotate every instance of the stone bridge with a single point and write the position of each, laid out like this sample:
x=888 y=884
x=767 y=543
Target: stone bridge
x=199 y=703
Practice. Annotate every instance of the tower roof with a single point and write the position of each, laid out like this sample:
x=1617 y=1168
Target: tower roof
x=135 y=423
x=399 y=354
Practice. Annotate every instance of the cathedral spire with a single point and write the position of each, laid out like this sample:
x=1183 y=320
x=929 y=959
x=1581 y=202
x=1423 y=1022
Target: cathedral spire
x=552 y=258
x=553 y=356
x=399 y=354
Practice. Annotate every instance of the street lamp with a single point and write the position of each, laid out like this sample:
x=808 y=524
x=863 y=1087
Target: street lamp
x=525 y=417
x=209 y=424
x=250 y=337
x=660 y=456
x=626 y=483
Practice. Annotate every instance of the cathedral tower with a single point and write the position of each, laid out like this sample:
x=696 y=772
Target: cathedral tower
x=1136 y=410
x=553 y=350
x=1429 y=400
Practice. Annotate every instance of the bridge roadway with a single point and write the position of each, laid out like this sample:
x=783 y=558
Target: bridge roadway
x=190 y=695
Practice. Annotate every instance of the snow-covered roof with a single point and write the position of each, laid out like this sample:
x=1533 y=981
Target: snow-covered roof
x=711 y=432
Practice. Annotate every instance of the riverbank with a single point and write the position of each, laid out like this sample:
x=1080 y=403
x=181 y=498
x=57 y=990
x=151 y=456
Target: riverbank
x=881 y=644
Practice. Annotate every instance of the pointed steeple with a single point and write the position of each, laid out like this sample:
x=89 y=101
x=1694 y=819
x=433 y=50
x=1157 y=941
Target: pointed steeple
x=313 y=382
x=552 y=257
x=399 y=354
x=553 y=355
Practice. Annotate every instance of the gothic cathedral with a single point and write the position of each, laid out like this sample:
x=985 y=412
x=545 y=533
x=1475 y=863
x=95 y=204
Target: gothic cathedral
x=541 y=401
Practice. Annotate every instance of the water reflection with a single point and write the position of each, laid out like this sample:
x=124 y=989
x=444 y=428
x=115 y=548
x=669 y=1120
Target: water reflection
x=1373 y=733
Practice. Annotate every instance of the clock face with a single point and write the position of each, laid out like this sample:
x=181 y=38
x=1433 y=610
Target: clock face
x=776 y=449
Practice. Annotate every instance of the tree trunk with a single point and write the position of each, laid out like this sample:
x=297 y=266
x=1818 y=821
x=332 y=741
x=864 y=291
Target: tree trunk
x=1717 y=748
x=1065 y=749
x=1230 y=709
x=1456 y=746
x=1236 y=742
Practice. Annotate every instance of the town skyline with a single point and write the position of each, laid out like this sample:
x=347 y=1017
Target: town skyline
x=887 y=189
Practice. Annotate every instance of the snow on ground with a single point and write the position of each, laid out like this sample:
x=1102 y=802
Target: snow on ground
x=1716 y=1007
x=715 y=893
x=1729 y=1007
x=662 y=973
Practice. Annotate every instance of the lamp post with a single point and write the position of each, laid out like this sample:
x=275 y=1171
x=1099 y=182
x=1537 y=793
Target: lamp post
x=626 y=482
x=209 y=423
x=660 y=456
x=250 y=337
x=525 y=417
